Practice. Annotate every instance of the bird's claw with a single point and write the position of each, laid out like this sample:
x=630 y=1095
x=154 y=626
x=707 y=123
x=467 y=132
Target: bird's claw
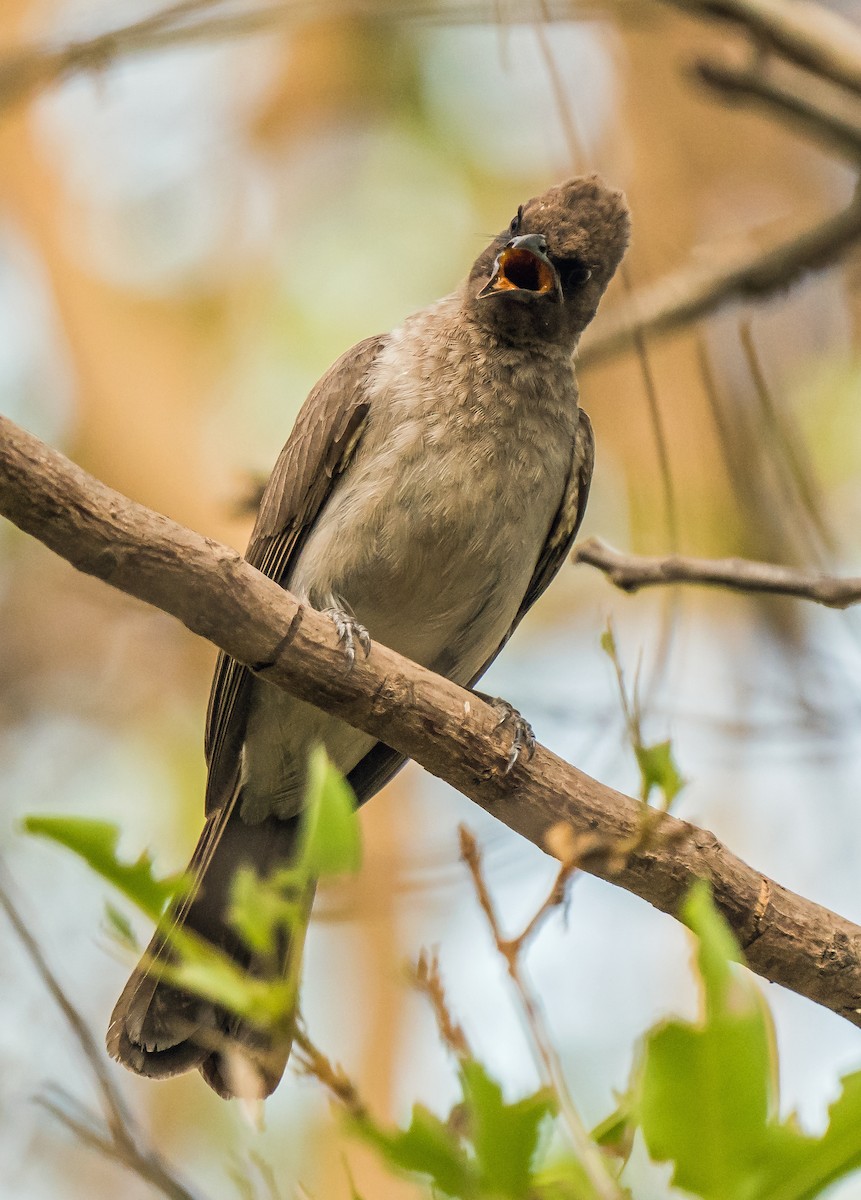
x=524 y=735
x=349 y=632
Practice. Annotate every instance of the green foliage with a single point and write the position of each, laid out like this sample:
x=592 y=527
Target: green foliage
x=703 y=1095
x=485 y=1151
x=331 y=844
x=267 y=913
x=505 y=1136
x=658 y=768
x=708 y=1092
x=96 y=842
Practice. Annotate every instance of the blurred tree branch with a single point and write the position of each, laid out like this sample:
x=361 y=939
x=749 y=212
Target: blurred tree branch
x=743 y=274
x=114 y=1135
x=630 y=572
x=827 y=47
x=452 y=733
x=804 y=32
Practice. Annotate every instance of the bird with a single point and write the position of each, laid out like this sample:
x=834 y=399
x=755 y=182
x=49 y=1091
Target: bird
x=430 y=489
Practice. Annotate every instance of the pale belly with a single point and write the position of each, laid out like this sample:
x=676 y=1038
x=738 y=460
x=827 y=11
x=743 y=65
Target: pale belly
x=444 y=595
x=431 y=537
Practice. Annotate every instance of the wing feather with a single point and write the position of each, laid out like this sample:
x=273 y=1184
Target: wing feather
x=323 y=439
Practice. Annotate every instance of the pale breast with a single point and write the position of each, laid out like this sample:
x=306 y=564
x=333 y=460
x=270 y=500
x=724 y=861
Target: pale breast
x=432 y=533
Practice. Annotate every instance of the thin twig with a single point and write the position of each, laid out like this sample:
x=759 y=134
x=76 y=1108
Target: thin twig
x=426 y=977
x=799 y=483
x=590 y=1157
x=630 y=572
x=118 y=1137
x=310 y=1060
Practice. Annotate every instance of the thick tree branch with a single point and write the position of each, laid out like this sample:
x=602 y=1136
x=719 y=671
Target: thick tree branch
x=630 y=572
x=211 y=589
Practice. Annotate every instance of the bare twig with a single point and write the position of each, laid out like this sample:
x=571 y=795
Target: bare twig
x=590 y=1157
x=117 y=1137
x=799 y=484
x=426 y=978
x=453 y=734
x=313 y=1062
x=630 y=572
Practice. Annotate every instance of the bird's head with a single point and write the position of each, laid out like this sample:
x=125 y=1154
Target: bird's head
x=543 y=276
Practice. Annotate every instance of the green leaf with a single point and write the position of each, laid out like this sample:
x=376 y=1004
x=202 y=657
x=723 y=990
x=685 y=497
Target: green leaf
x=608 y=643
x=207 y=971
x=658 y=769
x=797 y=1167
x=331 y=844
x=262 y=909
x=428 y=1147
x=505 y=1136
x=615 y=1134
x=121 y=927
x=96 y=842
x=707 y=1091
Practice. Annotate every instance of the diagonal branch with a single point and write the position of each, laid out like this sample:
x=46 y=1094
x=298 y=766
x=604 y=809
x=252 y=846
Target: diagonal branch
x=453 y=734
x=630 y=572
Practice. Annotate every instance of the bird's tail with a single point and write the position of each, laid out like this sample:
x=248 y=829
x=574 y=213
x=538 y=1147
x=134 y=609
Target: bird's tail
x=156 y=1028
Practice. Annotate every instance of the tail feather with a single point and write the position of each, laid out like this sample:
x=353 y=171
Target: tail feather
x=159 y=1030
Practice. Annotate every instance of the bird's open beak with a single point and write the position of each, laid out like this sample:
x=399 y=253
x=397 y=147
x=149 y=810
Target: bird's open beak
x=523 y=267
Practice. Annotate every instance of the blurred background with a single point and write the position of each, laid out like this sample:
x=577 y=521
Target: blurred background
x=193 y=226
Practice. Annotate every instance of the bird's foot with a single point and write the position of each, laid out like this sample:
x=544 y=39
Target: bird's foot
x=523 y=742
x=349 y=632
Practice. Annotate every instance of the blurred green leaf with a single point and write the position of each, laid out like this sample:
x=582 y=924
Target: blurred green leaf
x=796 y=1167
x=658 y=769
x=428 y=1147
x=505 y=1136
x=706 y=1089
x=96 y=843
x=615 y=1134
x=331 y=844
x=262 y=909
x=708 y=1094
x=564 y=1179
x=201 y=968
x=121 y=927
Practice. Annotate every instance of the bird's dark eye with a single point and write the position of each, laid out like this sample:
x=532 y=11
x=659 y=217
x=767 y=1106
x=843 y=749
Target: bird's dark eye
x=573 y=273
x=515 y=222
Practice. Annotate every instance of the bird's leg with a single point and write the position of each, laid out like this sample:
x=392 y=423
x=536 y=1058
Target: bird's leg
x=524 y=735
x=349 y=629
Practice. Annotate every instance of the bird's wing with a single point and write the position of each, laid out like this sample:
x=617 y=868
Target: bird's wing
x=382 y=763
x=321 y=444
x=566 y=523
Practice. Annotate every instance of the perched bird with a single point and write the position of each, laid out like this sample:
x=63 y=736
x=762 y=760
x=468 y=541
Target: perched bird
x=432 y=485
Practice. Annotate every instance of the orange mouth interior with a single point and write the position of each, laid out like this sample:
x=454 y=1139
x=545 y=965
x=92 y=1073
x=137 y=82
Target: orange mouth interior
x=522 y=270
